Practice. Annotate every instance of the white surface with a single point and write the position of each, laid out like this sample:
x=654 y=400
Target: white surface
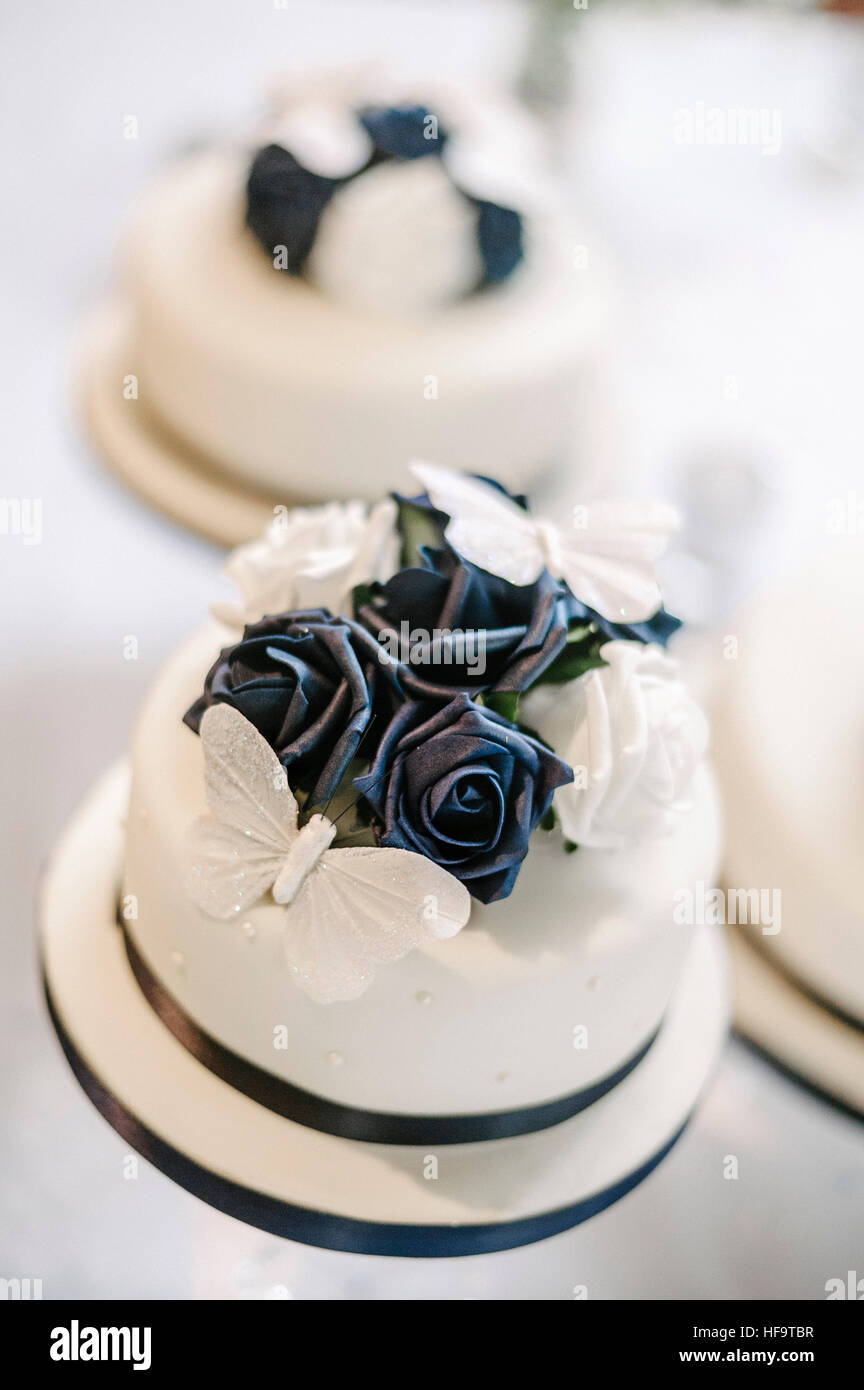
x=482 y=1022
x=152 y=1075
x=743 y=299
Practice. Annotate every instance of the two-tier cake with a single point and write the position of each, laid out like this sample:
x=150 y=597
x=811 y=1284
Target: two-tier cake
x=389 y=954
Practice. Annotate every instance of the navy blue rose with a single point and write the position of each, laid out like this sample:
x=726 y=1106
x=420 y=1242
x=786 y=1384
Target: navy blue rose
x=464 y=787
x=312 y=685
x=284 y=203
x=504 y=635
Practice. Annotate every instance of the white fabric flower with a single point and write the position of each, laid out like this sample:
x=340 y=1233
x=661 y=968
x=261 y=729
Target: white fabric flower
x=313 y=558
x=634 y=738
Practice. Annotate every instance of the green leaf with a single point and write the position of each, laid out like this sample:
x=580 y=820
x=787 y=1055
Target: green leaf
x=550 y=820
x=570 y=665
x=581 y=653
x=569 y=847
x=505 y=703
x=417 y=529
x=360 y=595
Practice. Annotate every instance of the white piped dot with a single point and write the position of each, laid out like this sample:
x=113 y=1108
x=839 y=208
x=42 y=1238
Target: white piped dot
x=248 y=931
x=503 y=1076
x=593 y=982
x=335 y=1059
x=423 y=996
x=178 y=960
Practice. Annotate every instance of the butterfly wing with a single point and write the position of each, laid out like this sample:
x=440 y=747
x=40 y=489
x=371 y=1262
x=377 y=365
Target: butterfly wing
x=228 y=871
x=362 y=907
x=486 y=527
x=609 y=561
x=238 y=850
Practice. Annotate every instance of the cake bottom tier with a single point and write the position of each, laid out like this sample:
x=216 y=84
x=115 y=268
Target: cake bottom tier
x=296 y=1182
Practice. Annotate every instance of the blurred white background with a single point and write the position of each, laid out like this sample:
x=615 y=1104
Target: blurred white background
x=737 y=384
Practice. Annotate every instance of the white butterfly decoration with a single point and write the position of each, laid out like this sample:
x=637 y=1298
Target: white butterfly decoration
x=345 y=910
x=607 y=557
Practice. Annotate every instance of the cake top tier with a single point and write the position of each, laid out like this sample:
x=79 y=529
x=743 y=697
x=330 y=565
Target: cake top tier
x=391 y=198
x=417 y=690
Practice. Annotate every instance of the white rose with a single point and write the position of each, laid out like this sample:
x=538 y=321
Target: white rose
x=634 y=738
x=399 y=239
x=313 y=558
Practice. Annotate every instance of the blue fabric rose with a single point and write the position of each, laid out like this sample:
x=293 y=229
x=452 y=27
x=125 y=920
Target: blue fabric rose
x=505 y=634
x=403 y=132
x=284 y=203
x=312 y=685
x=464 y=787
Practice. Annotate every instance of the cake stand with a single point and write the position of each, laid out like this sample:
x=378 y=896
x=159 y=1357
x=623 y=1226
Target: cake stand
x=788 y=731
x=312 y=1187
x=796 y=1030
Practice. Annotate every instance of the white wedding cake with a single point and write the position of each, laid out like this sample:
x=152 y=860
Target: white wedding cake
x=407 y=825
x=377 y=275
x=484 y=1018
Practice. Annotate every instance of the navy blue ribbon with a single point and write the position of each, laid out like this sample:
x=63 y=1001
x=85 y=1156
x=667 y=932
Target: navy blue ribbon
x=346 y=1121
x=324 y=1229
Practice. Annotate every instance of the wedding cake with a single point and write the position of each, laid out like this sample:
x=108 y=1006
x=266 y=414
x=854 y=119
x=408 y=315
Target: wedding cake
x=796 y=819
x=378 y=273
x=407 y=825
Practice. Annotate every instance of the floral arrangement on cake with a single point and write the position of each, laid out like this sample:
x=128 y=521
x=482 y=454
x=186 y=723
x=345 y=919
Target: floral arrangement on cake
x=390 y=200
x=417 y=690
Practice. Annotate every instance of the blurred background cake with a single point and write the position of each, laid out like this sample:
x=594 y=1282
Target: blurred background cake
x=790 y=740
x=382 y=271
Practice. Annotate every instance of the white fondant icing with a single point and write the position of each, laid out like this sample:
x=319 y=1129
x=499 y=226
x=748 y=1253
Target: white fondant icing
x=556 y=986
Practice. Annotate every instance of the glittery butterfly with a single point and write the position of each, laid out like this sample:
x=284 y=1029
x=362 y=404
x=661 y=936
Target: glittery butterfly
x=345 y=910
x=606 y=558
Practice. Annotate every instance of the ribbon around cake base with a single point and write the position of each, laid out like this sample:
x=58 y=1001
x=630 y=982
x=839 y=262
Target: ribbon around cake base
x=328 y=1230
x=346 y=1121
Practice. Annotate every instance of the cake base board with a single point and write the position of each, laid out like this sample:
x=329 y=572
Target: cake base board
x=808 y=1042
x=308 y=1186
x=151 y=461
